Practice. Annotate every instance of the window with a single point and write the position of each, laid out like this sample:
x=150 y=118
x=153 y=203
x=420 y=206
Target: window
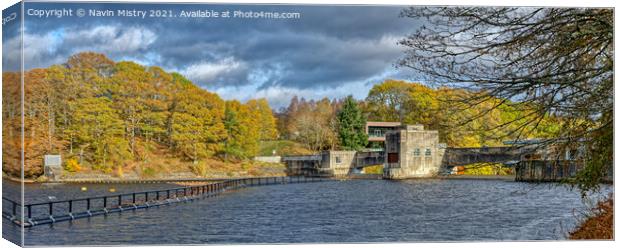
x=378 y=133
x=427 y=152
x=338 y=160
x=416 y=152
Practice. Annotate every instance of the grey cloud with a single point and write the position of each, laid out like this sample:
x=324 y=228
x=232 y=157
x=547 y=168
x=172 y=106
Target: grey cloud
x=328 y=47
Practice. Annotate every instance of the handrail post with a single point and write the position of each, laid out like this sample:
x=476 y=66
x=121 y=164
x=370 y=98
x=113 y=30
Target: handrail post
x=29 y=211
x=88 y=204
x=70 y=206
x=14 y=208
x=133 y=198
x=157 y=195
x=120 y=200
x=167 y=194
x=105 y=201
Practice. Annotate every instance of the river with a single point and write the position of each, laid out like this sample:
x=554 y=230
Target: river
x=349 y=211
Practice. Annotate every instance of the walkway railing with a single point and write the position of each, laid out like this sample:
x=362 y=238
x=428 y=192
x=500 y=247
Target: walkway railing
x=66 y=210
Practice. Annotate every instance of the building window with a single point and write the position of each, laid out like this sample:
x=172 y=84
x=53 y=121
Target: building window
x=378 y=133
x=338 y=160
x=427 y=152
x=416 y=152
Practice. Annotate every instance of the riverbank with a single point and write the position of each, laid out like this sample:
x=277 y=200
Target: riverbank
x=189 y=178
x=213 y=171
x=599 y=225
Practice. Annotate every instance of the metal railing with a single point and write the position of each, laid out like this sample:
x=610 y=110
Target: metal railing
x=65 y=210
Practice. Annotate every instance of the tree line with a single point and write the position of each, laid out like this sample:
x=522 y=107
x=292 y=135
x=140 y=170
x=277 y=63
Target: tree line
x=460 y=124
x=105 y=114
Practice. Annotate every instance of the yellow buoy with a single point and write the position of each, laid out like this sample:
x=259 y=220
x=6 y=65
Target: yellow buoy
x=112 y=190
x=84 y=189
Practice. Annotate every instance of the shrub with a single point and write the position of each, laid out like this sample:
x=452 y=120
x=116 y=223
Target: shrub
x=375 y=169
x=119 y=171
x=599 y=224
x=72 y=165
x=199 y=169
x=148 y=172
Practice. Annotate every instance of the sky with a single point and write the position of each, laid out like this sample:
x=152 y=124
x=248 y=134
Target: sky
x=329 y=51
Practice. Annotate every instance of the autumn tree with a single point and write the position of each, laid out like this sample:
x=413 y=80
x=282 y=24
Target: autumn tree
x=311 y=123
x=387 y=101
x=128 y=87
x=440 y=109
x=11 y=123
x=553 y=61
x=405 y=102
x=242 y=131
x=266 y=120
x=196 y=128
x=99 y=133
x=105 y=114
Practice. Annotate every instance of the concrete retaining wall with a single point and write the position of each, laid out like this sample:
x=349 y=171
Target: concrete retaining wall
x=268 y=159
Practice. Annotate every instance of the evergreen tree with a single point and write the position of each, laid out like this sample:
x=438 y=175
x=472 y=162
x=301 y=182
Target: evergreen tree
x=351 y=126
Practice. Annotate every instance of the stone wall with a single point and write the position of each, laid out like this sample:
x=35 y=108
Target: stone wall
x=268 y=159
x=338 y=163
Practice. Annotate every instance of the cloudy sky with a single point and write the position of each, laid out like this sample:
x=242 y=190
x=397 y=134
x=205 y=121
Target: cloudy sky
x=329 y=51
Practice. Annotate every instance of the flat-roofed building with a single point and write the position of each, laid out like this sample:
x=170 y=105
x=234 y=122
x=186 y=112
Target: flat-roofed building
x=411 y=152
x=376 y=131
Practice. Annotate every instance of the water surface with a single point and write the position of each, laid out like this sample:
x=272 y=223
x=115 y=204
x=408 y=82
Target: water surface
x=332 y=212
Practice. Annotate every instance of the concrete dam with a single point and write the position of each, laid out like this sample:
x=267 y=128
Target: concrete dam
x=410 y=151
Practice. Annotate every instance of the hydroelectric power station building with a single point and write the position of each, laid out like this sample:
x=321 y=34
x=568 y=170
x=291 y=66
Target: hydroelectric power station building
x=409 y=151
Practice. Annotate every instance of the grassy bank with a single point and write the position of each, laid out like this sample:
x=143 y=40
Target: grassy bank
x=173 y=168
x=599 y=224
x=154 y=161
